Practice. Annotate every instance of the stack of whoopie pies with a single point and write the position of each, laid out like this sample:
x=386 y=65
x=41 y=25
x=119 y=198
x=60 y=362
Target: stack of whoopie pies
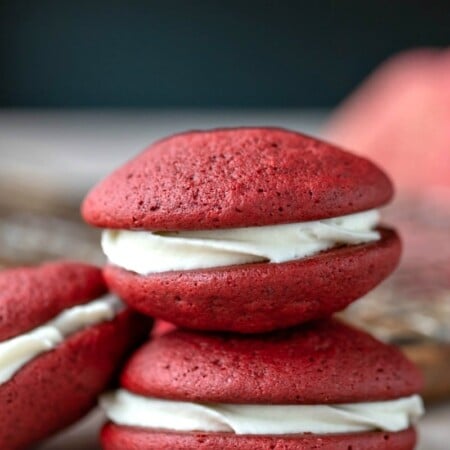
x=252 y=237
x=235 y=233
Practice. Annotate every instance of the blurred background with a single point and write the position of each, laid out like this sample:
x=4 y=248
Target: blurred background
x=175 y=53
x=86 y=85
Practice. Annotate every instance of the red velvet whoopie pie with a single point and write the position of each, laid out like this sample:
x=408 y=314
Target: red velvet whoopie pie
x=245 y=230
x=322 y=385
x=62 y=338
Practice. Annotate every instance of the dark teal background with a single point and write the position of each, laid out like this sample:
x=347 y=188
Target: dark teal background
x=203 y=53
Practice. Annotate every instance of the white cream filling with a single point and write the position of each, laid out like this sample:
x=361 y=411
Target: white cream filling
x=19 y=350
x=125 y=408
x=146 y=252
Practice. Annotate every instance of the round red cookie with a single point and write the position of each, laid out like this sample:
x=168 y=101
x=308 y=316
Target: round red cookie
x=230 y=178
x=260 y=297
x=323 y=362
x=58 y=387
x=317 y=363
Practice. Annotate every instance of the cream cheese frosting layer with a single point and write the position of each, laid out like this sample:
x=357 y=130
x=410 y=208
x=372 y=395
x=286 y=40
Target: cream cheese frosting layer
x=146 y=252
x=126 y=408
x=19 y=350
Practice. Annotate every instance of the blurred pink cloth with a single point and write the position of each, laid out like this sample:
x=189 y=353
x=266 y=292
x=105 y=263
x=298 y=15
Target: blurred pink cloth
x=400 y=118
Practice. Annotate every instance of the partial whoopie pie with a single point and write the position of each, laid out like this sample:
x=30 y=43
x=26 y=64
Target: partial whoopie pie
x=247 y=229
x=61 y=341
x=323 y=385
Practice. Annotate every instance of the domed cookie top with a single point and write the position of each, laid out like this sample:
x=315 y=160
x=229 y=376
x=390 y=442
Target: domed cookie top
x=321 y=362
x=231 y=178
x=30 y=296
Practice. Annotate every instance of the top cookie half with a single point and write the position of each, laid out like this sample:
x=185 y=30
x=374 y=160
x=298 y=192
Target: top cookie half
x=229 y=178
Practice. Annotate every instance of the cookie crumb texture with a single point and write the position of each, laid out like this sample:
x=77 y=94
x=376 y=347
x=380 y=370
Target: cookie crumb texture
x=127 y=438
x=230 y=178
x=260 y=297
x=59 y=387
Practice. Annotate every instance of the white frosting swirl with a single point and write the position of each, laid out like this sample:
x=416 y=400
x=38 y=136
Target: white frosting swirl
x=19 y=350
x=125 y=408
x=146 y=252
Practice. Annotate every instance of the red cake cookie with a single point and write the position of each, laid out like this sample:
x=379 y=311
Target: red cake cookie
x=61 y=341
x=320 y=386
x=247 y=230
x=235 y=178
